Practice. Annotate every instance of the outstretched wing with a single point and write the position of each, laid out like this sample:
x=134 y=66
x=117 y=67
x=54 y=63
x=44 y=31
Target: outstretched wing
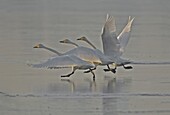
x=65 y=61
x=110 y=42
x=124 y=36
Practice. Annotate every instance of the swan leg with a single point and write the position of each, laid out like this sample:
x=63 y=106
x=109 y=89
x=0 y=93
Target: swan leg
x=109 y=69
x=127 y=67
x=71 y=83
x=68 y=75
x=113 y=70
x=93 y=74
x=106 y=70
x=89 y=70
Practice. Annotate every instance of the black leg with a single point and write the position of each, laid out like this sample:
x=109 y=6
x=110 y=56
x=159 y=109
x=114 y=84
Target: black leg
x=89 y=70
x=93 y=74
x=113 y=70
x=127 y=67
x=68 y=75
x=109 y=69
x=106 y=70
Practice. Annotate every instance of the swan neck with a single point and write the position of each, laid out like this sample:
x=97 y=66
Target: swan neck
x=74 y=44
x=90 y=44
x=52 y=50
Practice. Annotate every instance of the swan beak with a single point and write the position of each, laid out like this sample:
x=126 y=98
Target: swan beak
x=37 y=46
x=61 y=41
x=82 y=38
x=78 y=39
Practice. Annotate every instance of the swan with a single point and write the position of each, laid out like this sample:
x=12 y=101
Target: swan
x=78 y=52
x=114 y=46
x=84 y=53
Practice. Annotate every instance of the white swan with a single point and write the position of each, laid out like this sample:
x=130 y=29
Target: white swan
x=84 y=53
x=113 y=46
x=69 y=59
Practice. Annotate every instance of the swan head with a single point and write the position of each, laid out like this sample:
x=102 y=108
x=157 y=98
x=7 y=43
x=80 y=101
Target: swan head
x=66 y=41
x=39 y=46
x=83 y=38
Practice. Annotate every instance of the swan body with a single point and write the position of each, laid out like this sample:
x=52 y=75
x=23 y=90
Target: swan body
x=114 y=46
x=71 y=59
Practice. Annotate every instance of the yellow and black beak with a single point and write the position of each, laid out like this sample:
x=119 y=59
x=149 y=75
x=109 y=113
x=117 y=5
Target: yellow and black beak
x=61 y=41
x=78 y=38
x=37 y=46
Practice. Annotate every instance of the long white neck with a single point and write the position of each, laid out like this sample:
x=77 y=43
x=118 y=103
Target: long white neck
x=52 y=50
x=87 y=41
x=74 y=44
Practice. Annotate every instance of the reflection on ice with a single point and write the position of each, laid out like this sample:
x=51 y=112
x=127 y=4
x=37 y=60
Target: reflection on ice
x=86 y=87
x=72 y=84
x=92 y=85
x=108 y=88
x=109 y=96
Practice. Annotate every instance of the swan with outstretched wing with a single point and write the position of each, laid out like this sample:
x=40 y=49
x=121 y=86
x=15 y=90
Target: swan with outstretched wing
x=113 y=46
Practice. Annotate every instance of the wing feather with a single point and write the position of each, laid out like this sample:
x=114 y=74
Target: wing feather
x=65 y=61
x=110 y=43
x=124 y=36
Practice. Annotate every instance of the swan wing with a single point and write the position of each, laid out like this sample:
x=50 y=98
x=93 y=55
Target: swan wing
x=124 y=36
x=110 y=42
x=86 y=54
x=65 y=61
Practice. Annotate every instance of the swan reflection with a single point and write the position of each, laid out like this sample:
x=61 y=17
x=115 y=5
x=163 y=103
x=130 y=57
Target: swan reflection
x=108 y=85
x=105 y=85
x=72 y=84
